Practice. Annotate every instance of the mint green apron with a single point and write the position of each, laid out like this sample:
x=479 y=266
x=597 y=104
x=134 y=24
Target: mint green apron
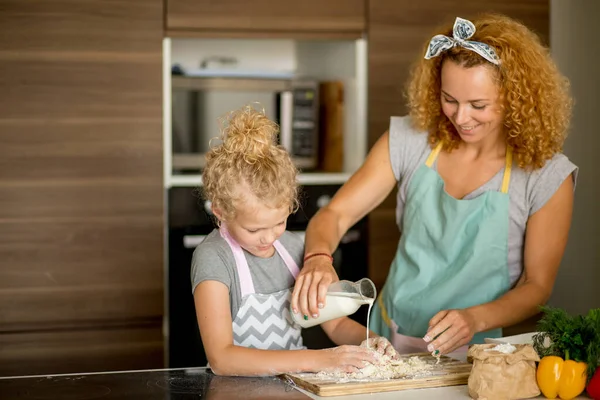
x=452 y=254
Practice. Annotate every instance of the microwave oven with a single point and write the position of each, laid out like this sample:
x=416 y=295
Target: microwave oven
x=199 y=104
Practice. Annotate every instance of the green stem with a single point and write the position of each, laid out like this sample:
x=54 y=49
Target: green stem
x=566 y=354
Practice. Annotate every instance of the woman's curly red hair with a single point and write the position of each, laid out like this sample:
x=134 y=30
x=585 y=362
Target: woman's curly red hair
x=534 y=95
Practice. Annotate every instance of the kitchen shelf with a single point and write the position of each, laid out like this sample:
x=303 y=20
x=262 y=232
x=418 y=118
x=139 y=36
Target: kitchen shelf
x=219 y=83
x=311 y=178
x=322 y=60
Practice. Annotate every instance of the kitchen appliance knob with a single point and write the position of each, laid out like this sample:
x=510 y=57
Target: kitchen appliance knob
x=208 y=207
x=323 y=200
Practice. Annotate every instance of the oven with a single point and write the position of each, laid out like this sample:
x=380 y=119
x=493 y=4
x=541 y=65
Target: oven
x=189 y=221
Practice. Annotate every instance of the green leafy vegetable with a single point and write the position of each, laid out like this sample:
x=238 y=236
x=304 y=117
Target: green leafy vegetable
x=571 y=337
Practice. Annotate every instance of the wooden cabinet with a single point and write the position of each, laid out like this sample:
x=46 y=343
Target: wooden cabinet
x=283 y=18
x=397 y=32
x=81 y=198
x=82 y=348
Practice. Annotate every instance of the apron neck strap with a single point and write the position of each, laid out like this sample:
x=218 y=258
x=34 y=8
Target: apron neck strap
x=246 y=283
x=507 y=170
x=433 y=155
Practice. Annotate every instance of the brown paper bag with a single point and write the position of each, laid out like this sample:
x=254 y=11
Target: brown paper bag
x=497 y=375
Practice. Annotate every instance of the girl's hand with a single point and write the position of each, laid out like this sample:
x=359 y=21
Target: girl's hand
x=311 y=286
x=455 y=328
x=382 y=346
x=345 y=358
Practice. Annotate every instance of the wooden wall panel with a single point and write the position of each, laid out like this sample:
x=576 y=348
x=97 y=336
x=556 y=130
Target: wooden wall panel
x=63 y=200
x=81 y=149
x=112 y=347
x=63 y=89
x=397 y=32
x=57 y=272
x=81 y=198
x=284 y=16
x=80 y=28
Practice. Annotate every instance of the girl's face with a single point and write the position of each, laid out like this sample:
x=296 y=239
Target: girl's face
x=256 y=226
x=470 y=100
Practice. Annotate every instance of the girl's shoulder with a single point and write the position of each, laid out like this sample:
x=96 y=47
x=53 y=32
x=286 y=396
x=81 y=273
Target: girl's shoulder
x=213 y=260
x=294 y=243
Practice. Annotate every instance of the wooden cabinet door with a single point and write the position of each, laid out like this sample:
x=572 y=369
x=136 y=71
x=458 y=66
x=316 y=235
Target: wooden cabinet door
x=107 y=348
x=81 y=193
x=397 y=32
x=266 y=17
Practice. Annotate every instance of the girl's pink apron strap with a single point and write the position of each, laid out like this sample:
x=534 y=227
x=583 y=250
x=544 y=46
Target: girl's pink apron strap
x=287 y=258
x=246 y=284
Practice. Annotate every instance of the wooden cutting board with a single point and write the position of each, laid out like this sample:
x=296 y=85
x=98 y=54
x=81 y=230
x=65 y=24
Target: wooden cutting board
x=448 y=372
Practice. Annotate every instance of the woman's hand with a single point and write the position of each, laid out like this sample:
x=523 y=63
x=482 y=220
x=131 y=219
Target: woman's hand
x=345 y=358
x=311 y=286
x=455 y=328
x=382 y=346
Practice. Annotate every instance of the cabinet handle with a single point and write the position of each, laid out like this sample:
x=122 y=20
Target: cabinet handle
x=192 y=241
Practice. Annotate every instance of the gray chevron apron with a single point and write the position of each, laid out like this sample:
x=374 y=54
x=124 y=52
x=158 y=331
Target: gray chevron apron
x=263 y=321
x=452 y=254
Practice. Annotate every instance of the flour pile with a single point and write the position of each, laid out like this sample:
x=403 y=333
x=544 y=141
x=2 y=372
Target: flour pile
x=384 y=368
x=505 y=348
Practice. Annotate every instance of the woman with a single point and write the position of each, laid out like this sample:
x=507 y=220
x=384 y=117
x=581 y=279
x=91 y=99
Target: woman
x=484 y=194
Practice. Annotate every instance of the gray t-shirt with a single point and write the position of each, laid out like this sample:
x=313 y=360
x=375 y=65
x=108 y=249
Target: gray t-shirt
x=213 y=261
x=528 y=190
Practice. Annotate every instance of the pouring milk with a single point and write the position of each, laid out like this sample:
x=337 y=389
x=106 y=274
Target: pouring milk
x=343 y=298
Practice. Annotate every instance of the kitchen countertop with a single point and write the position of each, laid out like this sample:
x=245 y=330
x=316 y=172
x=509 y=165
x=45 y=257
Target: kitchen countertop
x=189 y=383
x=166 y=384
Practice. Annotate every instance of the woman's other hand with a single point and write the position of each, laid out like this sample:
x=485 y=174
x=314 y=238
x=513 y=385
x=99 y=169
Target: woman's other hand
x=455 y=328
x=382 y=346
x=311 y=286
x=345 y=358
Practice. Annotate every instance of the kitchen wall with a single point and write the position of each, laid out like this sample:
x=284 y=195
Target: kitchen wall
x=574 y=40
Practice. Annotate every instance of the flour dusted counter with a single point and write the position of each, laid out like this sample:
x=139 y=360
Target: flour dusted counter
x=454 y=392
x=460 y=392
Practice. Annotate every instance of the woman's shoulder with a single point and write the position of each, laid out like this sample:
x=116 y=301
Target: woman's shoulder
x=407 y=145
x=540 y=184
x=402 y=125
x=403 y=135
x=559 y=165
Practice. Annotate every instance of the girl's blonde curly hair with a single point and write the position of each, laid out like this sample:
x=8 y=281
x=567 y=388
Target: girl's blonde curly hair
x=247 y=163
x=534 y=96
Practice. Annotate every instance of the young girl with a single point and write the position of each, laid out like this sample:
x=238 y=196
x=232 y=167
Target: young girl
x=243 y=272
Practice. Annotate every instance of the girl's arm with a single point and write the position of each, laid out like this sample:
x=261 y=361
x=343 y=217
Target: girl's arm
x=545 y=242
x=214 y=320
x=347 y=331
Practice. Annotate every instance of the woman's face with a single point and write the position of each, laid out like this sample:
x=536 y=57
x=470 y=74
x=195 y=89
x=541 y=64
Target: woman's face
x=470 y=100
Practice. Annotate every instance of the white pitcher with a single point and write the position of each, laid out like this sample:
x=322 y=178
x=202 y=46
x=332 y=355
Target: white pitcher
x=343 y=298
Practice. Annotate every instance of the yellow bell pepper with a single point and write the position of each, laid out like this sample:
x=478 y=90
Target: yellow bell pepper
x=563 y=378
